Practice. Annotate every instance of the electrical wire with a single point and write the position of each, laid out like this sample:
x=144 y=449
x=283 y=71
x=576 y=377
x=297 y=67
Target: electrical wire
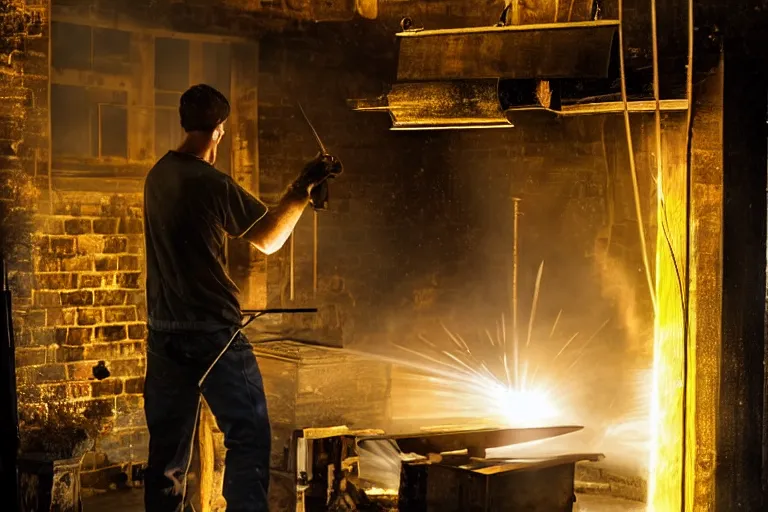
x=632 y=166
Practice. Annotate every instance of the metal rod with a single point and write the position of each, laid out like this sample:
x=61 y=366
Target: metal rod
x=314 y=254
x=515 y=254
x=291 y=264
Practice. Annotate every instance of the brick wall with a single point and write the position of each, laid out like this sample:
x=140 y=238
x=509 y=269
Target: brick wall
x=88 y=305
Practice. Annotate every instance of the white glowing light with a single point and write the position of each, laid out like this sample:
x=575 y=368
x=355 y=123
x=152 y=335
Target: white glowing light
x=522 y=407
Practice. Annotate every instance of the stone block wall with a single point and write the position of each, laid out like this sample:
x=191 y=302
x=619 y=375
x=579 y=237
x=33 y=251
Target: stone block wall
x=88 y=305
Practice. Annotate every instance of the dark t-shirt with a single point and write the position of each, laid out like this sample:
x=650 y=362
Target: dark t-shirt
x=188 y=208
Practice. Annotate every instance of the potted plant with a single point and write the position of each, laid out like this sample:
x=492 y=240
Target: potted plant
x=52 y=451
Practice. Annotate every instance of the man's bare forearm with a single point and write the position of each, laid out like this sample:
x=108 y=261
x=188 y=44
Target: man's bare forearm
x=270 y=233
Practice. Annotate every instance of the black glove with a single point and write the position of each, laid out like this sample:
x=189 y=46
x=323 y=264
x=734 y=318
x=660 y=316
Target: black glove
x=318 y=170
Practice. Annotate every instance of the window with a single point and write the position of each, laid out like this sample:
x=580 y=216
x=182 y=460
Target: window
x=88 y=122
x=173 y=75
x=82 y=48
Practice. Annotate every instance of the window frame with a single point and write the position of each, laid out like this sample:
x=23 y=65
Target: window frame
x=129 y=167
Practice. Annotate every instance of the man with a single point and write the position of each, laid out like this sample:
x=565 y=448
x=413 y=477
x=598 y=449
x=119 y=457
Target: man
x=193 y=311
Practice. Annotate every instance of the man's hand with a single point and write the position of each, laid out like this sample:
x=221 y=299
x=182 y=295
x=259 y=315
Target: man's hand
x=270 y=233
x=317 y=171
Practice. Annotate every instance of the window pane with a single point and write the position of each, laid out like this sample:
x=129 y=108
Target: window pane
x=171 y=64
x=217 y=66
x=70 y=46
x=168 y=132
x=70 y=120
x=114 y=130
x=111 y=51
x=168 y=99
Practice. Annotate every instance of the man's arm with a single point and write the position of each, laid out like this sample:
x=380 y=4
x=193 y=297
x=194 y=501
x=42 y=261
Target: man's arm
x=269 y=234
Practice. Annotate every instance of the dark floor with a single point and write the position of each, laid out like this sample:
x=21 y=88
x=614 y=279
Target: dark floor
x=130 y=501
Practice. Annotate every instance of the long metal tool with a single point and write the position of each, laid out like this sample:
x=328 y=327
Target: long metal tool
x=314 y=132
x=323 y=152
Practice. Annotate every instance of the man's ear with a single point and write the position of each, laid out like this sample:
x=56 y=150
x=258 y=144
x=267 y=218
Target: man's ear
x=216 y=135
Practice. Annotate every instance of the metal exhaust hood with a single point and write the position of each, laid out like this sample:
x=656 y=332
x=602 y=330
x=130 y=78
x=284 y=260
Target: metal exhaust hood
x=480 y=77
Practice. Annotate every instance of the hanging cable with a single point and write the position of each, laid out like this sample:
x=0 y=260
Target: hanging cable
x=632 y=167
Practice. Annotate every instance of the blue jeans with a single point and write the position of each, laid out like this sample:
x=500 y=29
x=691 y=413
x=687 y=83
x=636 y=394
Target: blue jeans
x=233 y=390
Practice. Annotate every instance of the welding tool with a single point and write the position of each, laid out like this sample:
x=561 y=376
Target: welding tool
x=319 y=194
x=319 y=201
x=178 y=470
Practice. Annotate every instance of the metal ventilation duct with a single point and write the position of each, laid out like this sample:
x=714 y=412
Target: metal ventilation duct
x=555 y=50
x=457 y=104
x=478 y=77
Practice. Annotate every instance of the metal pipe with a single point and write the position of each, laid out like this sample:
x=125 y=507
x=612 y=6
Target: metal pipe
x=291 y=264
x=314 y=254
x=515 y=253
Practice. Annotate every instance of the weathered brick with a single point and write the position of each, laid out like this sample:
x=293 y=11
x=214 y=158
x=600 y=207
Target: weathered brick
x=67 y=354
x=67 y=208
x=99 y=408
x=106 y=263
x=42 y=374
x=131 y=418
x=43 y=336
x=89 y=316
x=138 y=298
x=78 y=298
x=47 y=263
x=53 y=227
x=34 y=318
x=29 y=357
x=80 y=370
x=90 y=244
x=120 y=314
x=91 y=281
x=114 y=350
x=111 y=333
x=107 y=387
x=66 y=391
x=131 y=226
x=90 y=210
x=105 y=226
x=63 y=246
x=128 y=367
x=109 y=297
x=43 y=244
x=134 y=385
x=79 y=335
x=60 y=281
x=46 y=299
x=135 y=245
x=137 y=331
x=77 y=263
x=128 y=262
x=77 y=226
x=129 y=280
x=59 y=317
x=115 y=244
x=61 y=335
